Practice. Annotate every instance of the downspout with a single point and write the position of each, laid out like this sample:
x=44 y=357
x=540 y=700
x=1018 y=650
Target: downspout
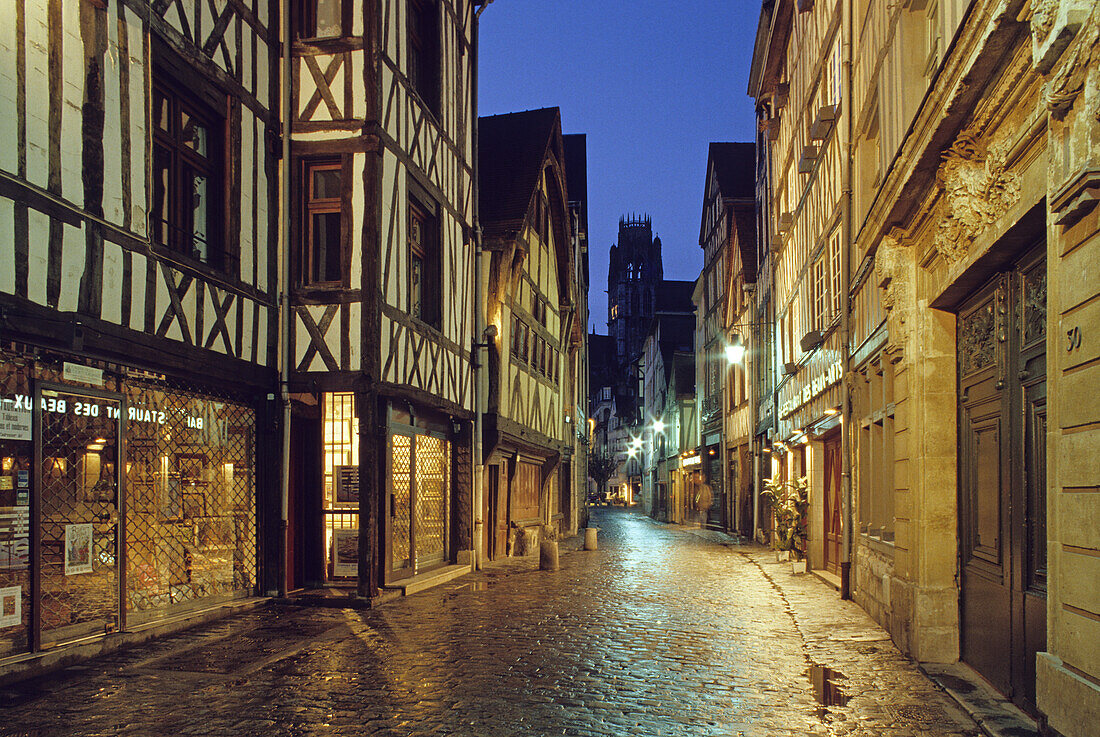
x=846 y=310
x=480 y=341
x=284 y=282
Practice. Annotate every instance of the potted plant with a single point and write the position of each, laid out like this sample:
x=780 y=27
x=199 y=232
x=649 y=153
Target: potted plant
x=789 y=502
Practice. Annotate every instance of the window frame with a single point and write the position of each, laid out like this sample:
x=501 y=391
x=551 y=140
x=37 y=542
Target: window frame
x=422 y=34
x=306 y=251
x=184 y=91
x=305 y=15
x=428 y=309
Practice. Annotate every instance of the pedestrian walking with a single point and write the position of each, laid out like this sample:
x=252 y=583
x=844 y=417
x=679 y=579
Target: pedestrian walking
x=704 y=497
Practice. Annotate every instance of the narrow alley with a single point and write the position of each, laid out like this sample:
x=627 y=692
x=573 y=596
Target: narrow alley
x=663 y=630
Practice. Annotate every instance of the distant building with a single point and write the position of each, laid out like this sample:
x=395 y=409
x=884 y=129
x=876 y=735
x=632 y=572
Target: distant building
x=528 y=441
x=727 y=237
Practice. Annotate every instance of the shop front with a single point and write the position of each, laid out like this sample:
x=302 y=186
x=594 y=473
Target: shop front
x=124 y=499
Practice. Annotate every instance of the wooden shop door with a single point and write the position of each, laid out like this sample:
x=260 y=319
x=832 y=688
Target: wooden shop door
x=832 y=503
x=1001 y=335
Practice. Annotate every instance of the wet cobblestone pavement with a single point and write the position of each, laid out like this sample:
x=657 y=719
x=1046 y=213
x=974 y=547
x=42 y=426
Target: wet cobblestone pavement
x=662 y=631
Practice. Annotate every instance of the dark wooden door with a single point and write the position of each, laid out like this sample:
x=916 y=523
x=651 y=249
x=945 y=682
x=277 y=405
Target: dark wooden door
x=832 y=503
x=1002 y=474
x=500 y=514
x=304 y=496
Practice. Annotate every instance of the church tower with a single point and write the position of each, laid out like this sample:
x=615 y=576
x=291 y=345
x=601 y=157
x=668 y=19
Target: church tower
x=634 y=275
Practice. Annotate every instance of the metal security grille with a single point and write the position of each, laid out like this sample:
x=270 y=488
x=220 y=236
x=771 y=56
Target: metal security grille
x=78 y=515
x=433 y=466
x=191 y=517
x=16 y=463
x=401 y=521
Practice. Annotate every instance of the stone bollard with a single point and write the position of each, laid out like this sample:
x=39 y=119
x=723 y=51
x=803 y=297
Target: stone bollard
x=548 y=549
x=590 y=538
x=548 y=555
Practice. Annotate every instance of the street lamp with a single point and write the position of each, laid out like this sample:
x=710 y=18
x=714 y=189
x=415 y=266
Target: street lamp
x=658 y=426
x=735 y=350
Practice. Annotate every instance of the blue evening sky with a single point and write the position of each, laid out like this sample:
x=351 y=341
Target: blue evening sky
x=650 y=82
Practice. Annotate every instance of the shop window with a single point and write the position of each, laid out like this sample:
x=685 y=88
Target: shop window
x=340 y=487
x=424 y=264
x=875 y=449
x=322 y=257
x=190 y=510
x=188 y=166
x=423 y=51
x=318 y=19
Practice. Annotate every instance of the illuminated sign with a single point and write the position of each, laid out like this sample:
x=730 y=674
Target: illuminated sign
x=691 y=461
x=812 y=388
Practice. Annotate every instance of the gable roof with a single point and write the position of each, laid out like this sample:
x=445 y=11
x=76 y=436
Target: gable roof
x=735 y=168
x=674 y=296
x=512 y=149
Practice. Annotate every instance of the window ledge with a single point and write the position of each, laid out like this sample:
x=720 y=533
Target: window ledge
x=879 y=545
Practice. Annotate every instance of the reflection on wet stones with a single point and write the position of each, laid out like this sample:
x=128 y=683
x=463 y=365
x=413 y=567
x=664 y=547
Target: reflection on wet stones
x=826 y=690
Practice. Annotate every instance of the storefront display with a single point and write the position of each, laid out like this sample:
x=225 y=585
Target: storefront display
x=140 y=497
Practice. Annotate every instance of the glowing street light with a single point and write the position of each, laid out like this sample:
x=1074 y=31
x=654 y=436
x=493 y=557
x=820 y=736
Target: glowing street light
x=658 y=426
x=735 y=351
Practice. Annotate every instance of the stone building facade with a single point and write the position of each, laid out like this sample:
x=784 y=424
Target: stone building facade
x=966 y=134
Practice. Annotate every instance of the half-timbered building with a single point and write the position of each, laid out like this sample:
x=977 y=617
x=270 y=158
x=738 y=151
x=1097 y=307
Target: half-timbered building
x=381 y=290
x=530 y=299
x=931 y=212
x=728 y=200
x=138 y=284
x=727 y=235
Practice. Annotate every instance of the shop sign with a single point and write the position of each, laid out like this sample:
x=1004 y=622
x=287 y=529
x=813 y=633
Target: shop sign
x=83 y=374
x=18 y=409
x=15 y=418
x=692 y=461
x=812 y=388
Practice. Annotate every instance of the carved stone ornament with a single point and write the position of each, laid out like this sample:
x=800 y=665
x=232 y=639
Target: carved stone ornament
x=1069 y=81
x=893 y=275
x=977 y=191
x=1054 y=23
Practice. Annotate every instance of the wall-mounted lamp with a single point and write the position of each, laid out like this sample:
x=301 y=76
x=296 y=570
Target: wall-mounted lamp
x=658 y=426
x=735 y=350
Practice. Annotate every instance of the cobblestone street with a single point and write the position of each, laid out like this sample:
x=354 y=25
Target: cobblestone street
x=662 y=631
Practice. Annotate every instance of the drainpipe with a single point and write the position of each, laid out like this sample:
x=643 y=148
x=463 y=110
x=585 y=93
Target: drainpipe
x=284 y=278
x=846 y=310
x=480 y=341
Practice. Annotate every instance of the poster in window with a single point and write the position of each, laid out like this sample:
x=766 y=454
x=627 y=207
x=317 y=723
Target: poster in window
x=347 y=484
x=345 y=552
x=11 y=606
x=78 y=549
